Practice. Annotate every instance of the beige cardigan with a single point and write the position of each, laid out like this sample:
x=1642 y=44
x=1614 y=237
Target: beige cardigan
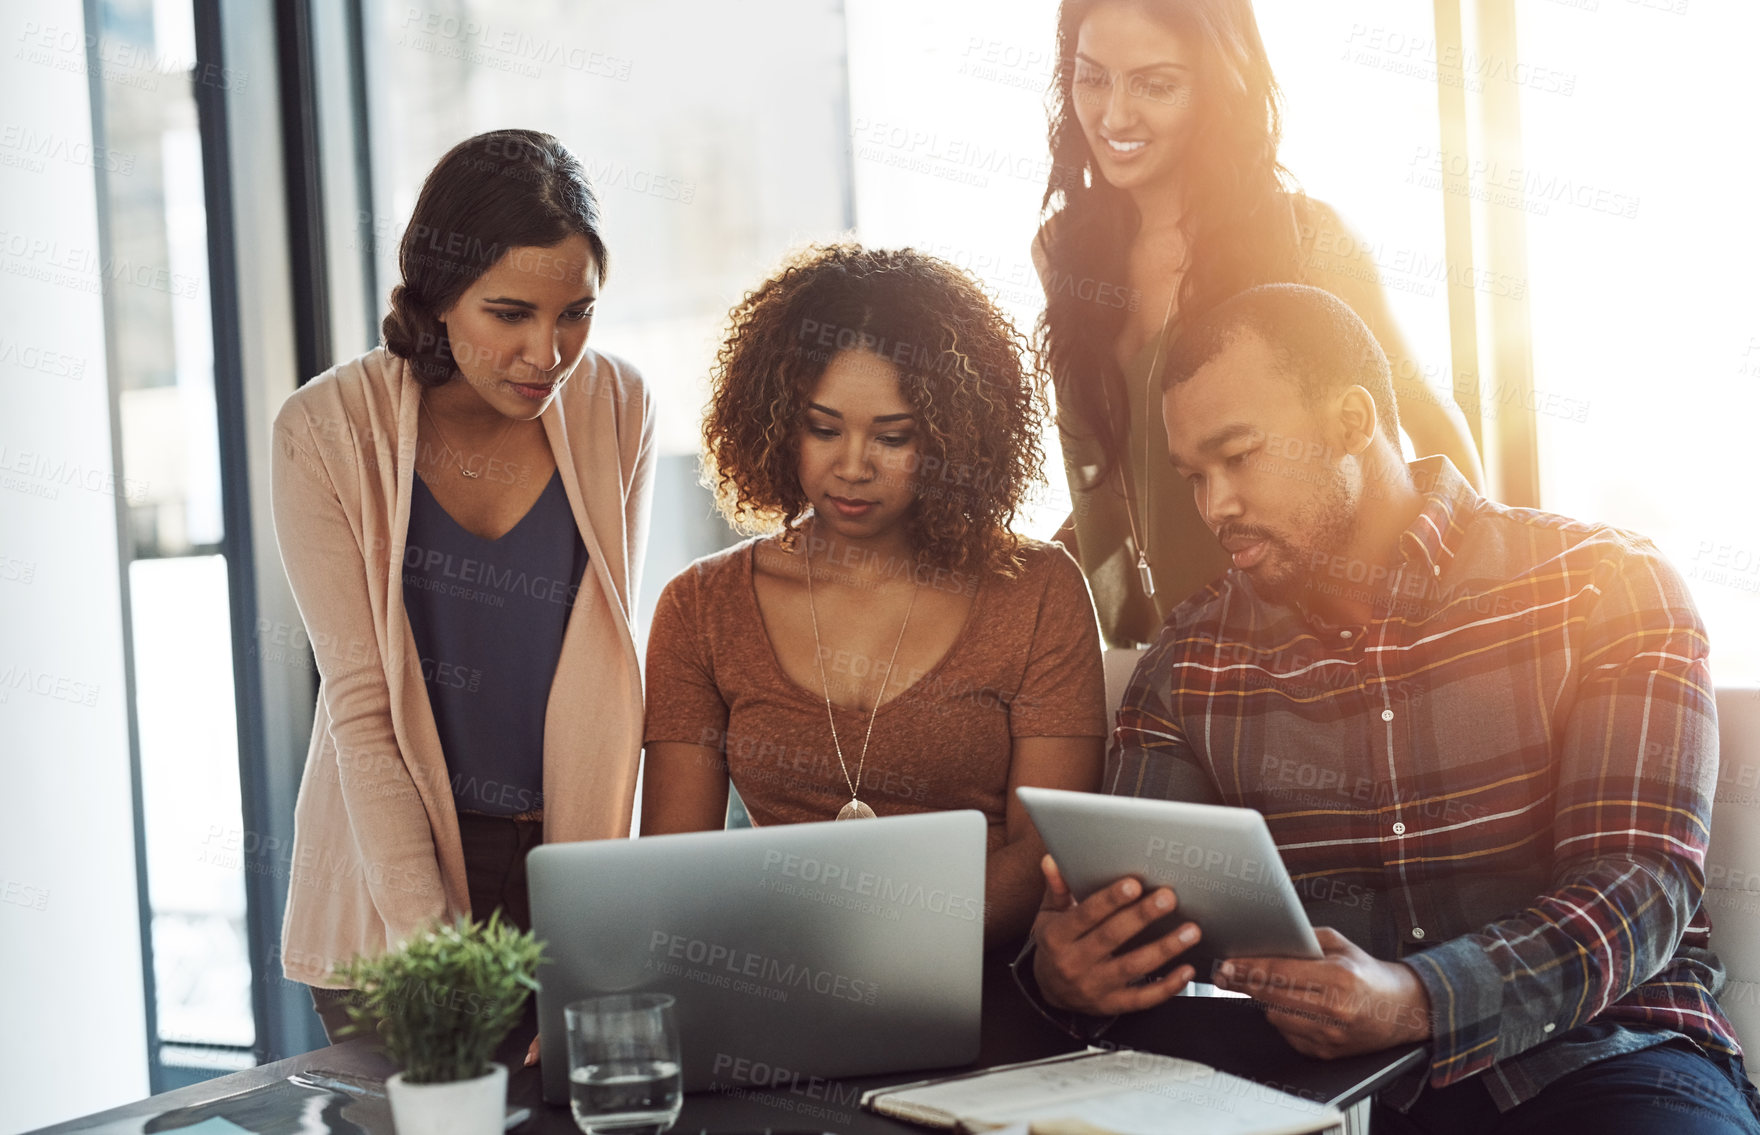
x=376 y=850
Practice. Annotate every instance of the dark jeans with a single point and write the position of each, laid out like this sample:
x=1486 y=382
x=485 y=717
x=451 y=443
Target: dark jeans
x=1673 y=1088
x=495 y=850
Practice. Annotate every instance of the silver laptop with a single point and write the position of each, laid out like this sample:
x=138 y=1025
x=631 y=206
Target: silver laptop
x=828 y=949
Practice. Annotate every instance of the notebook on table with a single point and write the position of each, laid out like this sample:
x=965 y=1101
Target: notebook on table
x=1120 y=1091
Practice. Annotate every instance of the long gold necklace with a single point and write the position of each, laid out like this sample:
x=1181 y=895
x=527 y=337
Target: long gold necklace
x=1140 y=538
x=459 y=453
x=855 y=809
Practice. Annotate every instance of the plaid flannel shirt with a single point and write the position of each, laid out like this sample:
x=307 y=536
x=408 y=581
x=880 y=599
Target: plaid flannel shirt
x=1504 y=779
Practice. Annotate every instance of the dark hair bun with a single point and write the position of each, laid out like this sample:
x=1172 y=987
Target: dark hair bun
x=492 y=193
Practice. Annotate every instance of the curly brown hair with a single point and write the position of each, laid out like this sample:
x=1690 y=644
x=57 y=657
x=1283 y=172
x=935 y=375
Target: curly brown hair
x=969 y=375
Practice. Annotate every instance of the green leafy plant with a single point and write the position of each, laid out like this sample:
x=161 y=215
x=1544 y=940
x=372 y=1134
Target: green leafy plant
x=446 y=998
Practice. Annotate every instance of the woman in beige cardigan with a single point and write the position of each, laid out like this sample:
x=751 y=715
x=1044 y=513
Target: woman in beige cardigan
x=462 y=515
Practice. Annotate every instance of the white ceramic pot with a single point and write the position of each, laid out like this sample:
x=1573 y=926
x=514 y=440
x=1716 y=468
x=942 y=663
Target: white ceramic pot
x=463 y=1107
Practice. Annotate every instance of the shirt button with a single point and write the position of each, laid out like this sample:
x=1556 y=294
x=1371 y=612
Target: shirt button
x=1344 y=634
x=1387 y=715
x=1399 y=828
x=1418 y=932
x=1548 y=1028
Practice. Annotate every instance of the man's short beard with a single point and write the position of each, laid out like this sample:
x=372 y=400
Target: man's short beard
x=1290 y=583
x=1333 y=523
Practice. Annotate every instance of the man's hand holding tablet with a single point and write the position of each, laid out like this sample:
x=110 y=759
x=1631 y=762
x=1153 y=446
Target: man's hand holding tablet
x=1340 y=1005
x=1074 y=963
x=1131 y=859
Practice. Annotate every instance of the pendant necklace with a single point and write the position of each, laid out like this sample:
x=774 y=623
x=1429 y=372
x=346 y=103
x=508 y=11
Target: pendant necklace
x=855 y=809
x=1145 y=572
x=450 y=448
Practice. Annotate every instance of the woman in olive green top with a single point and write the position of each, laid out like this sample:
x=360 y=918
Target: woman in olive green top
x=1165 y=198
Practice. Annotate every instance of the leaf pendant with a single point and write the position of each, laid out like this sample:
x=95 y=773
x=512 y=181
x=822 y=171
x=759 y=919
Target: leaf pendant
x=856 y=810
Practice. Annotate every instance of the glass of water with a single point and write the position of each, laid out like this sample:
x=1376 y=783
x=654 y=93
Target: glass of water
x=623 y=1064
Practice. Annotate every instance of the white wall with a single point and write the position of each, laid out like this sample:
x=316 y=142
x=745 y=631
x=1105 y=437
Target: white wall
x=948 y=153
x=74 y=1033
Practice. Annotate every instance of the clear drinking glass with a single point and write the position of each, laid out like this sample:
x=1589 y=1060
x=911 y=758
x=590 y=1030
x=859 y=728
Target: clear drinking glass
x=623 y=1064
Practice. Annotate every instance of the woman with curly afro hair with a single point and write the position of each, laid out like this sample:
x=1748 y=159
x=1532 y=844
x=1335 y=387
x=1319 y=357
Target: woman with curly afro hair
x=886 y=644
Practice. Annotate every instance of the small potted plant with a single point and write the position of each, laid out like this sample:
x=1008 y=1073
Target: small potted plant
x=442 y=1002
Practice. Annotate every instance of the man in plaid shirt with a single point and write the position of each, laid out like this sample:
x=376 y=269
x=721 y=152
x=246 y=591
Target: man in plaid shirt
x=1483 y=738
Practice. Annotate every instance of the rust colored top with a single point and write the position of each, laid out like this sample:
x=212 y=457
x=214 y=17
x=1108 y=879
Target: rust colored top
x=1026 y=664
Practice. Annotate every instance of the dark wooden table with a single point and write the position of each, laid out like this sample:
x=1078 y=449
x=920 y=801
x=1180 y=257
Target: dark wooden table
x=1230 y=1034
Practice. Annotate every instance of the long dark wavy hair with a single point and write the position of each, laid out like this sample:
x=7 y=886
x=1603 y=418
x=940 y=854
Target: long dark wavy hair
x=963 y=367
x=1239 y=223
x=491 y=193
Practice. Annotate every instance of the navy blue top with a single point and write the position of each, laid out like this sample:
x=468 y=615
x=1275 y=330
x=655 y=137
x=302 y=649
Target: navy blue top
x=488 y=618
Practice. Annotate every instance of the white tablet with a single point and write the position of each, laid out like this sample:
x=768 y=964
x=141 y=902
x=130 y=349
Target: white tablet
x=1220 y=862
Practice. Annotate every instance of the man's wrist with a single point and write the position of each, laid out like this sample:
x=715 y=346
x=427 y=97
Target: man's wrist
x=1045 y=994
x=1026 y=979
x=1082 y=1026
x=1417 y=1023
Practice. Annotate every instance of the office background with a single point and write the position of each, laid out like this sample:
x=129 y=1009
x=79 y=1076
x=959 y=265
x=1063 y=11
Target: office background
x=202 y=208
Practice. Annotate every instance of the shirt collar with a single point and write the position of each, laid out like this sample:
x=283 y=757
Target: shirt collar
x=1434 y=535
